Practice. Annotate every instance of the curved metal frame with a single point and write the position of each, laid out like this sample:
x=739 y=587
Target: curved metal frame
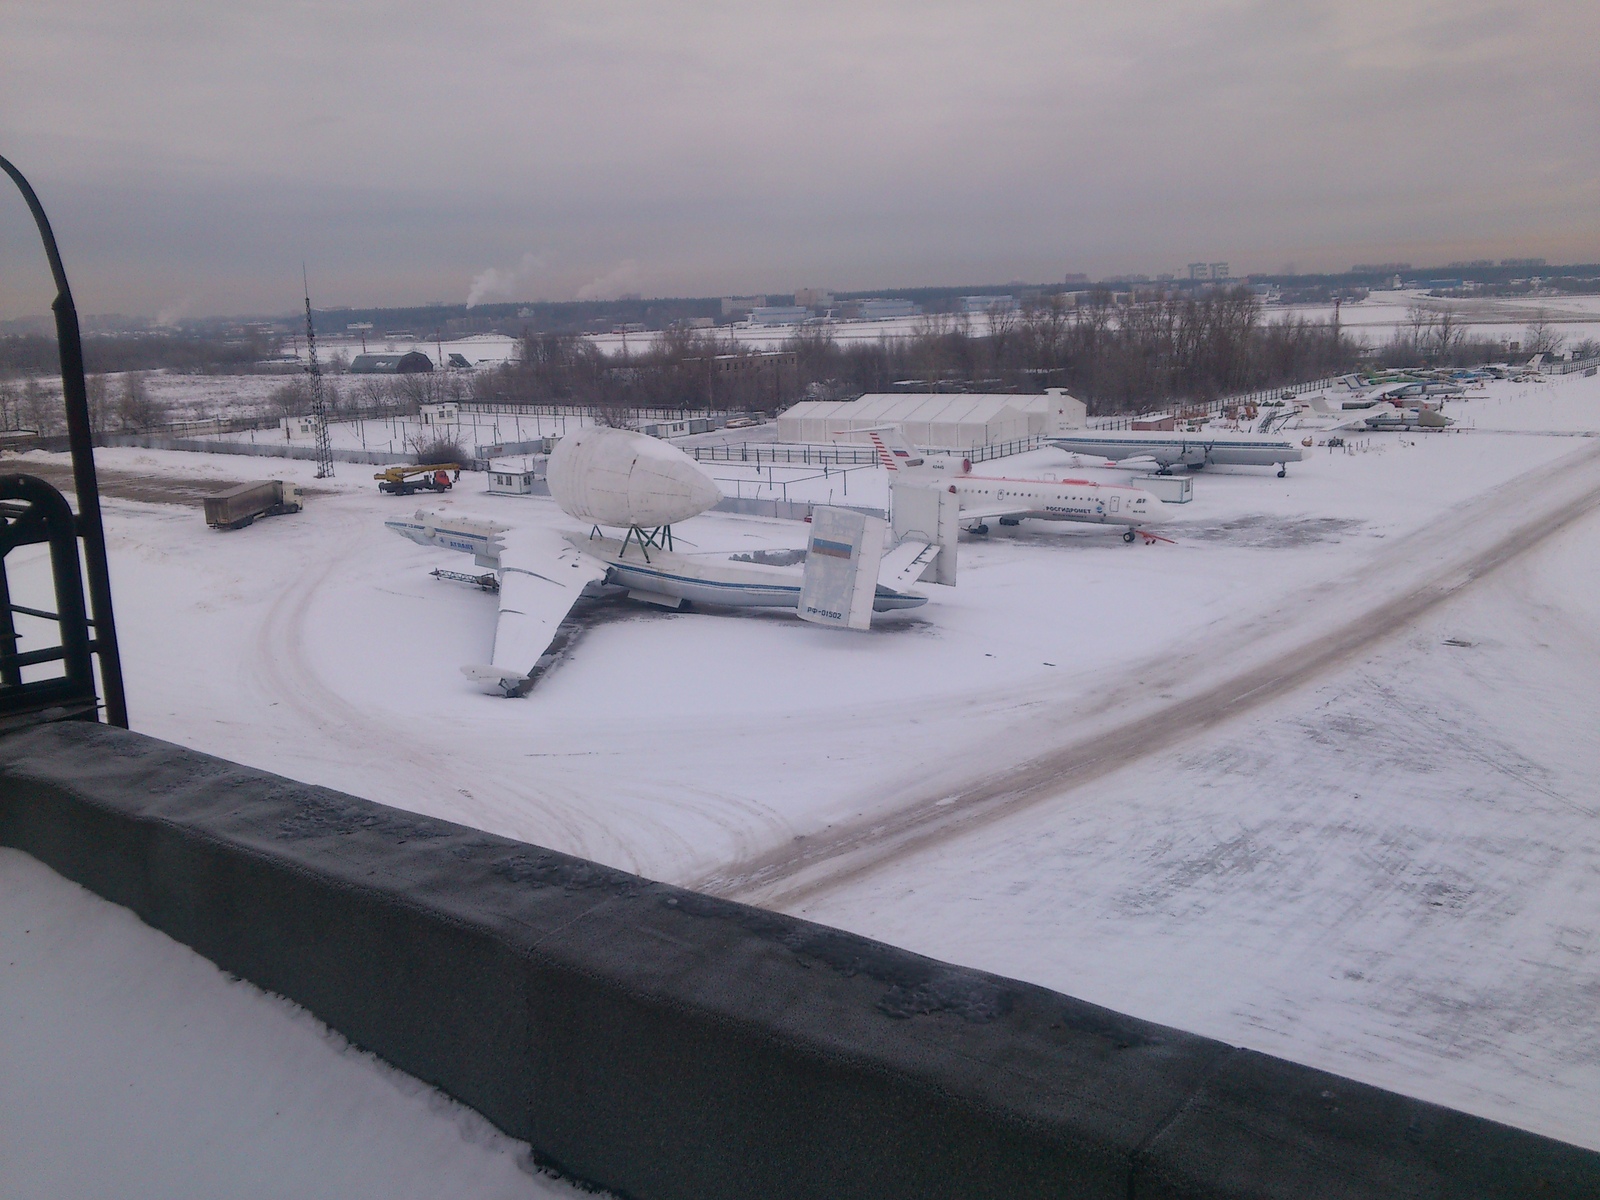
x=80 y=438
x=32 y=512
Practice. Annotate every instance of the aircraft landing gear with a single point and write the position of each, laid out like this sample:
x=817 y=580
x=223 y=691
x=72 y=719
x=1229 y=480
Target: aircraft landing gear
x=983 y=529
x=1127 y=536
x=1282 y=471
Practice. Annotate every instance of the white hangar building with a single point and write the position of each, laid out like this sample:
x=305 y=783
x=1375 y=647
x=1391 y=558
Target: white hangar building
x=937 y=420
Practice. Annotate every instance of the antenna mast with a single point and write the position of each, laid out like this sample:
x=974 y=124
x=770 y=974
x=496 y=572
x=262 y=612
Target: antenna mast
x=319 y=406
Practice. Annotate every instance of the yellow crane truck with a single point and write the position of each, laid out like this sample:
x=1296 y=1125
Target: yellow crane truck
x=421 y=477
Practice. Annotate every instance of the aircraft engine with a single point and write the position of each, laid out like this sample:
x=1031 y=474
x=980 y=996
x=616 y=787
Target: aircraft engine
x=617 y=477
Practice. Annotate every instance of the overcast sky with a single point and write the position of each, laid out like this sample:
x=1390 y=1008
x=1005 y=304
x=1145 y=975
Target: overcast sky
x=192 y=153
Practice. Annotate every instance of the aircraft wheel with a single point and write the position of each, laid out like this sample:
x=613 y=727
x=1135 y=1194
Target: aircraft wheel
x=983 y=529
x=1282 y=471
x=1127 y=536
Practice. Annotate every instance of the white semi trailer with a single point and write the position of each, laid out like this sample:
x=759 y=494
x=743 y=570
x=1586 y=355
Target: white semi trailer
x=240 y=505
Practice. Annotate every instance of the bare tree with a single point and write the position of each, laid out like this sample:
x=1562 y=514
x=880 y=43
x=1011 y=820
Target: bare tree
x=1449 y=332
x=136 y=407
x=98 y=394
x=1541 y=338
x=41 y=408
x=291 y=399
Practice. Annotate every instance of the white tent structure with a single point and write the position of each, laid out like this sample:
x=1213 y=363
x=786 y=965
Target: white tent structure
x=936 y=420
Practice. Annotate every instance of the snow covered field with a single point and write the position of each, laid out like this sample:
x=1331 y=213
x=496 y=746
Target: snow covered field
x=1316 y=779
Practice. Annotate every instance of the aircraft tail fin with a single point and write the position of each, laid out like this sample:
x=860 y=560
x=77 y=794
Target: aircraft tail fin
x=929 y=515
x=894 y=451
x=841 y=572
x=905 y=564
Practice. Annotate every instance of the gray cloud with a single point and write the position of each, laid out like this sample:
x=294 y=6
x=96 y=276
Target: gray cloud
x=411 y=152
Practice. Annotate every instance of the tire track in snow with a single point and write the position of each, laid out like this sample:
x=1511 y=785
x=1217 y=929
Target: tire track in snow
x=284 y=665
x=560 y=797
x=1543 y=501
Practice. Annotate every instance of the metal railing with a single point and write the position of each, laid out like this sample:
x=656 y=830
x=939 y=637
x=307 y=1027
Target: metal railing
x=1576 y=364
x=35 y=512
x=1211 y=408
x=771 y=452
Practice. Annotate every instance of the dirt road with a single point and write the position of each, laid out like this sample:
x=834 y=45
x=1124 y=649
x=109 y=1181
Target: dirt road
x=130 y=485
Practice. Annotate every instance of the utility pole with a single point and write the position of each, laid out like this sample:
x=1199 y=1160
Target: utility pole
x=319 y=406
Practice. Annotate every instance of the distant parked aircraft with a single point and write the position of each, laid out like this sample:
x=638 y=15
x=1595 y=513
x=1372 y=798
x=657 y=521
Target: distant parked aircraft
x=1384 y=415
x=1163 y=450
x=986 y=498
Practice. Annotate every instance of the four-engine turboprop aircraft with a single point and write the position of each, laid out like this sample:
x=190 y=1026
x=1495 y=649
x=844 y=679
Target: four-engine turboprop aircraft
x=1163 y=450
x=636 y=483
x=986 y=498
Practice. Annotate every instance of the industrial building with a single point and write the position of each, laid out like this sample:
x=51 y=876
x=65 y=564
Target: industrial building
x=778 y=314
x=413 y=362
x=940 y=420
x=886 y=310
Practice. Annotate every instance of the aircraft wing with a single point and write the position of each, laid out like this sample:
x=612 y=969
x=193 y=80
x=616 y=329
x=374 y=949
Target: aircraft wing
x=901 y=567
x=1358 y=417
x=991 y=512
x=1141 y=461
x=541 y=577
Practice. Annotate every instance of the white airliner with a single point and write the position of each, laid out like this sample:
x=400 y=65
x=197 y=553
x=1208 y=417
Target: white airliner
x=985 y=498
x=639 y=484
x=1165 y=450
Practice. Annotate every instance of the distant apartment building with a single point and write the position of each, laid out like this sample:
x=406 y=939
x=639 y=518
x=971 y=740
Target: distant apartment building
x=1075 y=277
x=813 y=297
x=738 y=306
x=1213 y=271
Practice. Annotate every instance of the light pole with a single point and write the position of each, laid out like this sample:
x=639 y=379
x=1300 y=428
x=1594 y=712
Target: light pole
x=80 y=438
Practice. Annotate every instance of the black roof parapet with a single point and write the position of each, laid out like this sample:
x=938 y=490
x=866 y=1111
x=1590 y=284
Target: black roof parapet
x=660 y=1043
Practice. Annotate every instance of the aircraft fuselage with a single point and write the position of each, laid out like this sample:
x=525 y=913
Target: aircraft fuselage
x=1169 y=450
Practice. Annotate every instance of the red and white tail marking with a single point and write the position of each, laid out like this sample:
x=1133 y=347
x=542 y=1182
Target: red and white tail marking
x=884 y=456
x=888 y=456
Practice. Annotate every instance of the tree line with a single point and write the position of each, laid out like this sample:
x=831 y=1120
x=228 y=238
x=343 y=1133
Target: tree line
x=36 y=354
x=1117 y=356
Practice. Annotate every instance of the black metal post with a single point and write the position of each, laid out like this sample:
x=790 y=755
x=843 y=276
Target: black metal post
x=80 y=438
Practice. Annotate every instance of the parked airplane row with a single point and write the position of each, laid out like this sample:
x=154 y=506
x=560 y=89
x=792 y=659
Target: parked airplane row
x=854 y=565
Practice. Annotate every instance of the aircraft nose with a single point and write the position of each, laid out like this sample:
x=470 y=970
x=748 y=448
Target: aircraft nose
x=706 y=492
x=1155 y=510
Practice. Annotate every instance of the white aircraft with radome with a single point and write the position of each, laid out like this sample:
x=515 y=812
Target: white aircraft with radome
x=625 y=480
x=985 y=498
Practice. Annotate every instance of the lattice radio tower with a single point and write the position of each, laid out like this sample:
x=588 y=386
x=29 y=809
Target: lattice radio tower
x=319 y=405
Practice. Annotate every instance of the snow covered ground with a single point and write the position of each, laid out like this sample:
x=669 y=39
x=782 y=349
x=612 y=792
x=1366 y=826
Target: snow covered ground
x=1504 y=318
x=1393 y=874
x=401 y=434
x=1381 y=858
x=135 y=1068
